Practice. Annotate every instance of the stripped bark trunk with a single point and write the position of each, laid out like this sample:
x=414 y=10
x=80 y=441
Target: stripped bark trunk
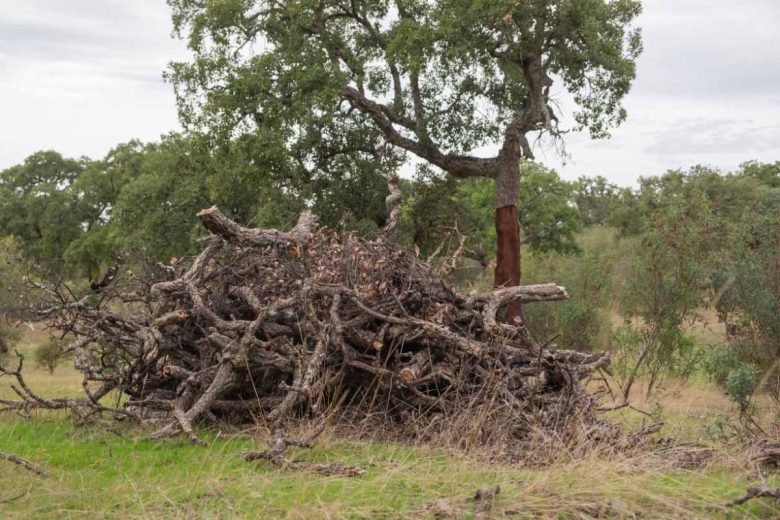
x=534 y=115
x=507 y=272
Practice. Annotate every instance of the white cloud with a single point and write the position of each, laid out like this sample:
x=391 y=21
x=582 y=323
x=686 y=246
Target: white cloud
x=82 y=76
x=706 y=62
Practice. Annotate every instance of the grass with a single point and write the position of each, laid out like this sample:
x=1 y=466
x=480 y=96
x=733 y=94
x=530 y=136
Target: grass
x=114 y=472
x=96 y=474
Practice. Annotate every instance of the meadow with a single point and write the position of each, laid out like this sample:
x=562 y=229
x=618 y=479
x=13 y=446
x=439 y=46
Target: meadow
x=112 y=471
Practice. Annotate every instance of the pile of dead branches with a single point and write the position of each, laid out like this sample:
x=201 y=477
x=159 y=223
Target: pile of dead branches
x=273 y=327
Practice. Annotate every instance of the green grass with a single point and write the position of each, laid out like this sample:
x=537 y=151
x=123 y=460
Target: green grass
x=111 y=471
x=97 y=474
x=94 y=473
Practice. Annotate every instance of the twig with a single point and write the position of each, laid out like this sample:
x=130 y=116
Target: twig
x=14 y=499
x=22 y=462
x=755 y=492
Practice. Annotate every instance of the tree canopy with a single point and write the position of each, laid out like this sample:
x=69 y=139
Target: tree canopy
x=437 y=79
x=323 y=84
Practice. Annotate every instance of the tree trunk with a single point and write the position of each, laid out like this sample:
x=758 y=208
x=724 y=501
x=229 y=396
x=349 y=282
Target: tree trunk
x=507 y=273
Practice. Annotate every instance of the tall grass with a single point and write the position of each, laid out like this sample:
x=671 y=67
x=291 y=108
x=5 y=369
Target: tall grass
x=109 y=470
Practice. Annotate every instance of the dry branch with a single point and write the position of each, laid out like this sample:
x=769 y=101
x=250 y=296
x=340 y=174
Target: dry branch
x=483 y=501
x=755 y=492
x=273 y=326
x=26 y=464
x=393 y=204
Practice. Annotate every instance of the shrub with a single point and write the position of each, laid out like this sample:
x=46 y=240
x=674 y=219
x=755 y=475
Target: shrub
x=48 y=355
x=718 y=362
x=583 y=321
x=625 y=344
x=748 y=291
x=726 y=367
x=651 y=354
x=741 y=385
x=9 y=336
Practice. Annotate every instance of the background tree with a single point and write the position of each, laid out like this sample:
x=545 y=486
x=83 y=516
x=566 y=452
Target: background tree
x=434 y=203
x=748 y=295
x=38 y=207
x=665 y=286
x=12 y=292
x=327 y=80
x=596 y=199
x=766 y=173
x=48 y=354
x=185 y=173
x=97 y=189
x=60 y=210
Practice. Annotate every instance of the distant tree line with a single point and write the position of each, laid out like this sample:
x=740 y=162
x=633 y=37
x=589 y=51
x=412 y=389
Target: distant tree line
x=78 y=216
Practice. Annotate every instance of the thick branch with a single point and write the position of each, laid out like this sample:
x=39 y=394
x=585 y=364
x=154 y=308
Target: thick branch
x=519 y=294
x=755 y=492
x=461 y=166
x=213 y=220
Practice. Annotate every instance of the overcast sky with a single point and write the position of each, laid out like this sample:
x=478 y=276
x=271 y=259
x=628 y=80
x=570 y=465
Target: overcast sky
x=80 y=76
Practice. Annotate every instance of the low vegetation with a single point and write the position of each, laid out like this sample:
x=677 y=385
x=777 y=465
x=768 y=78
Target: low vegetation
x=94 y=472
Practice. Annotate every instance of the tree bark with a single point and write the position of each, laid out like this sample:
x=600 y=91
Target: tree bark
x=507 y=273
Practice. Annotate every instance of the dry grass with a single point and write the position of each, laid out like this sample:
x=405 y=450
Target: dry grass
x=95 y=473
x=65 y=381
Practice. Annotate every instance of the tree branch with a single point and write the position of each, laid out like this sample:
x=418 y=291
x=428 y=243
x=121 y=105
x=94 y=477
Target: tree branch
x=26 y=464
x=461 y=166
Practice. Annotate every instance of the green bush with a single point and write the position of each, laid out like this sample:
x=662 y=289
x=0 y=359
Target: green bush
x=741 y=384
x=48 y=355
x=583 y=321
x=9 y=336
x=718 y=362
x=746 y=286
x=726 y=367
x=625 y=344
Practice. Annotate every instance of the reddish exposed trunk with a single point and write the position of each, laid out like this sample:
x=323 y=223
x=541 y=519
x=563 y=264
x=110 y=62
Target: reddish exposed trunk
x=507 y=272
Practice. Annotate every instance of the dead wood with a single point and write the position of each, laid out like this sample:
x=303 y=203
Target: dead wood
x=483 y=501
x=26 y=464
x=755 y=492
x=768 y=456
x=273 y=327
x=393 y=204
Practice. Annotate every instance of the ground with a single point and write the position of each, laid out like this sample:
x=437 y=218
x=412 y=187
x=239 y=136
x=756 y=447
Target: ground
x=100 y=472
